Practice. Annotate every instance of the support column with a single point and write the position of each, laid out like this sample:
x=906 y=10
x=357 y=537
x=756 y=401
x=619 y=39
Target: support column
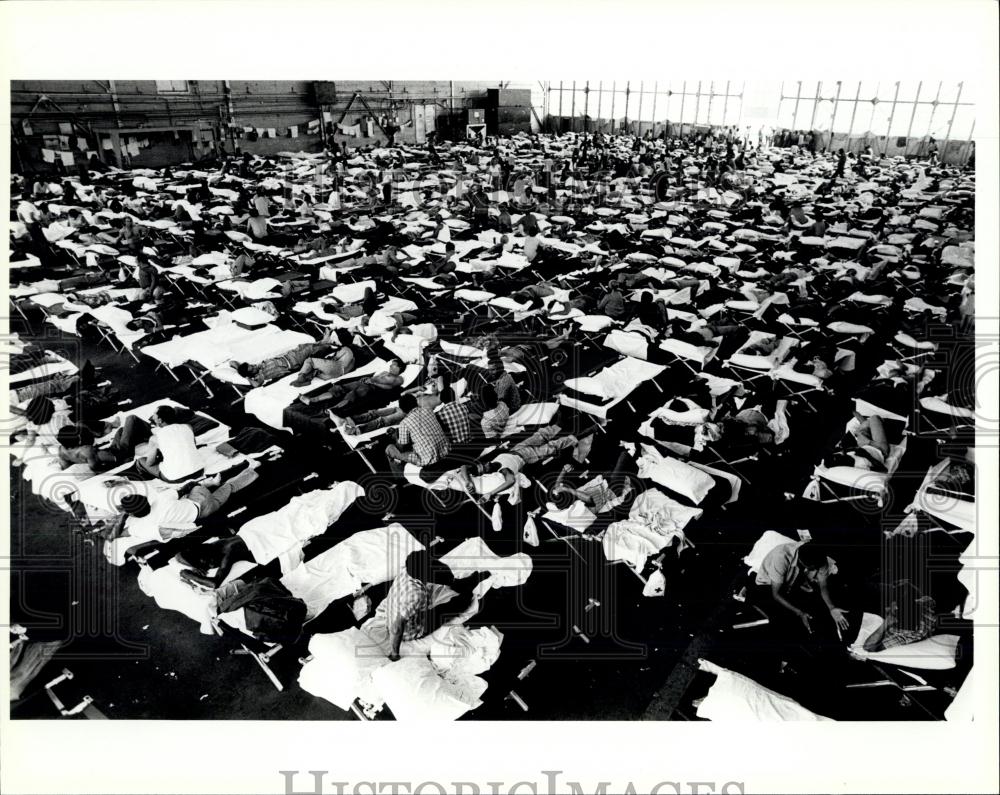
x=795 y=110
x=639 y=120
x=854 y=110
x=913 y=115
x=613 y=93
x=572 y=112
x=892 y=113
x=628 y=90
x=684 y=90
x=116 y=147
x=951 y=121
x=655 y=86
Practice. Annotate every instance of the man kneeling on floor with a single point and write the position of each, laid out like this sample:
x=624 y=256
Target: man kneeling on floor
x=795 y=579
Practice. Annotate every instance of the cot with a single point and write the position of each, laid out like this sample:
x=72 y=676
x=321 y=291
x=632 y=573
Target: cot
x=602 y=392
x=860 y=482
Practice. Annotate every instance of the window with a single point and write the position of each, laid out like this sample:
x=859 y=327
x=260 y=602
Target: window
x=171 y=86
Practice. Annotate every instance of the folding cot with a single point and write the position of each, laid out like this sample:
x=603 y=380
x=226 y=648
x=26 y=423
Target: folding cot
x=226 y=340
x=860 y=482
x=269 y=402
x=603 y=391
x=749 y=366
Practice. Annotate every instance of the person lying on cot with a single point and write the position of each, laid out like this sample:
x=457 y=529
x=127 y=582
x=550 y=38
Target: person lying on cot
x=533 y=294
x=600 y=494
x=366 y=422
x=347 y=394
x=523 y=352
x=316 y=246
x=78 y=445
x=762 y=347
x=545 y=442
x=367 y=306
x=865 y=446
x=304 y=359
x=168 y=514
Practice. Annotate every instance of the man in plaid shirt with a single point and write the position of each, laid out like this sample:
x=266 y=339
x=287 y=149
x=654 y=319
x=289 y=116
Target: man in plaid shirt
x=407 y=609
x=506 y=389
x=496 y=415
x=454 y=418
x=419 y=431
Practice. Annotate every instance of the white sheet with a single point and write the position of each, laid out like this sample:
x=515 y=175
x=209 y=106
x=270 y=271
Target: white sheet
x=368 y=557
x=735 y=698
x=282 y=533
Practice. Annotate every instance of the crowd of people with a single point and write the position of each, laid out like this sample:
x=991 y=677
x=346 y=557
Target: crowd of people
x=573 y=338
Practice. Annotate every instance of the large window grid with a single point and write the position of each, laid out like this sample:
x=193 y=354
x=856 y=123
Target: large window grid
x=898 y=117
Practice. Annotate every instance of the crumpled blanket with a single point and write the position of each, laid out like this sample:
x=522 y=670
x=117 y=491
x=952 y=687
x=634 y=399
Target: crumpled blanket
x=654 y=521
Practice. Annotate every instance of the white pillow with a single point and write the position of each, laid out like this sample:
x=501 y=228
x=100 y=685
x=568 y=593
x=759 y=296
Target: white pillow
x=682 y=478
x=936 y=653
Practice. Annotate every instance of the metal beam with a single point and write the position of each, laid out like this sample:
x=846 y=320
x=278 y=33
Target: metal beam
x=586 y=104
x=913 y=115
x=951 y=121
x=972 y=143
x=639 y=121
x=560 y=106
x=628 y=90
x=795 y=111
x=892 y=113
x=833 y=117
x=655 y=86
x=683 y=95
x=934 y=104
x=613 y=92
x=812 y=118
x=854 y=110
x=113 y=90
x=600 y=99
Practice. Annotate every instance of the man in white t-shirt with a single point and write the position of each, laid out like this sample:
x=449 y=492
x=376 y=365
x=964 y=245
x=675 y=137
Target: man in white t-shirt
x=172 y=454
